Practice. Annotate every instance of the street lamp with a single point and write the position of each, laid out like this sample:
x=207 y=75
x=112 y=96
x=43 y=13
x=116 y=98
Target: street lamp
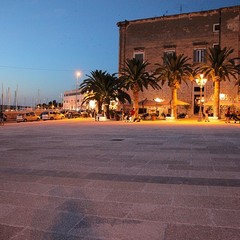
x=201 y=83
x=157 y=100
x=78 y=74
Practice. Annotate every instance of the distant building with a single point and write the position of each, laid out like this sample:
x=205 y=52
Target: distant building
x=72 y=100
x=189 y=33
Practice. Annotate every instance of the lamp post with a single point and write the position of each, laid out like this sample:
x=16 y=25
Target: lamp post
x=78 y=74
x=201 y=83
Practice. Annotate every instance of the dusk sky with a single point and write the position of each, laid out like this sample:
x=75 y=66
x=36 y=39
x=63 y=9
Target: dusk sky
x=44 y=42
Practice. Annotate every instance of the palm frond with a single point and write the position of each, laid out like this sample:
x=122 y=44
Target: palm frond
x=135 y=77
x=220 y=67
x=175 y=70
x=102 y=87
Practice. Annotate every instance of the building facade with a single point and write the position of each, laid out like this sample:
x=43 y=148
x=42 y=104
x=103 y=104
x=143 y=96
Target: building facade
x=190 y=34
x=72 y=100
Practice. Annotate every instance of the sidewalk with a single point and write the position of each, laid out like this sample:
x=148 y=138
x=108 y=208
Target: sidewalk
x=156 y=180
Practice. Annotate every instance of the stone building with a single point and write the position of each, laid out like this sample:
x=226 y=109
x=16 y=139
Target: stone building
x=189 y=33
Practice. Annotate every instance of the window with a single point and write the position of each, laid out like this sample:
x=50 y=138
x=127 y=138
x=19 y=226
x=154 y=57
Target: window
x=199 y=55
x=197 y=89
x=167 y=53
x=139 y=56
x=236 y=63
x=216 y=27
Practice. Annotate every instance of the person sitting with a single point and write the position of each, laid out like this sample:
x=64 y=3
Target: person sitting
x=228 y=115
x=127 y=117
x=236 y=117
x=136 y=119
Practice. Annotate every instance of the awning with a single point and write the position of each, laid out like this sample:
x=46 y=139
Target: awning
x=182 y=103
x=221 y=103
x=164 y=103
x=237 y=104
x=179 y=103
x=149 y=103
x=152 y=103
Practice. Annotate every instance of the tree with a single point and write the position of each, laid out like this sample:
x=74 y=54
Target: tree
x=50 y=104
x=135 y=77
x=103 y=87
x=55 y=103
x=174 y=70
x=219 y=68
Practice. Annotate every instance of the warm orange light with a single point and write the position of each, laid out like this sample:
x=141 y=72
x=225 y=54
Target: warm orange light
x=201 y=81
x=158 y=100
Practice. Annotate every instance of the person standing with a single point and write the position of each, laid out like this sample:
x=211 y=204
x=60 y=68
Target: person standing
x=132 y=115
x=206 y=116
x=1 y=118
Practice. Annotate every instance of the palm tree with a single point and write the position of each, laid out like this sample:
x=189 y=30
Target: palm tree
x=219 y=68
x=174 y=70
x=135 y=77
x=103 y=87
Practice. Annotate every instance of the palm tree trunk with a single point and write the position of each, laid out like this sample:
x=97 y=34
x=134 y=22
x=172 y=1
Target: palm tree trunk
x=174 y=103
x=216 y=99
x=135 y=103
x=99 y=106
x=107 y=108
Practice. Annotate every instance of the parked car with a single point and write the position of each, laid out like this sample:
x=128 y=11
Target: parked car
x=64 y=112
x=84 y=113
x=41 y=114
x=59 y=115
x=29 y=116
x=51 y=115
x=73 y=114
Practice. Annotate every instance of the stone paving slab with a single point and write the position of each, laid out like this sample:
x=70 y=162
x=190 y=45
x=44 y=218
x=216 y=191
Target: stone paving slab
x=80 y=179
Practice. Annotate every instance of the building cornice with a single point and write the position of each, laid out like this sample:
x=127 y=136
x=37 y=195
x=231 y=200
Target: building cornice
x=176 y=16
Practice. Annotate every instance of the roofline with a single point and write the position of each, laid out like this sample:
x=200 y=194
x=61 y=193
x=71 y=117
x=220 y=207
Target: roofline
x=121 y=23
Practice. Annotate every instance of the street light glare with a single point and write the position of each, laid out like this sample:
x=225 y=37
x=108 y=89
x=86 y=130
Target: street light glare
x=158 y=100
x=201 y=81
x=78 y=73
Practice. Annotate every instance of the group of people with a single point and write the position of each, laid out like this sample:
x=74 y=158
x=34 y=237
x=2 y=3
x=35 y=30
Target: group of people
x=232 y=115
x=130 y=116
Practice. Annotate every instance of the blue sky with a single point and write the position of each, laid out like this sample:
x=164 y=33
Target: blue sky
x=44 y=42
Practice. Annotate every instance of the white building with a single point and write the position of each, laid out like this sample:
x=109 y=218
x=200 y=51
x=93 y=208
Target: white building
x=72 y=100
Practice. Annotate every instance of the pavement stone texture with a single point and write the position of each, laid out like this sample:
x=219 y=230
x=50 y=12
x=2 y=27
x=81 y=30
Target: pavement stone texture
x=81 y=179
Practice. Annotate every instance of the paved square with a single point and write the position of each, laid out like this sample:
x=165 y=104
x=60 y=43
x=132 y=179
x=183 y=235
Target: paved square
x=80 y=179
